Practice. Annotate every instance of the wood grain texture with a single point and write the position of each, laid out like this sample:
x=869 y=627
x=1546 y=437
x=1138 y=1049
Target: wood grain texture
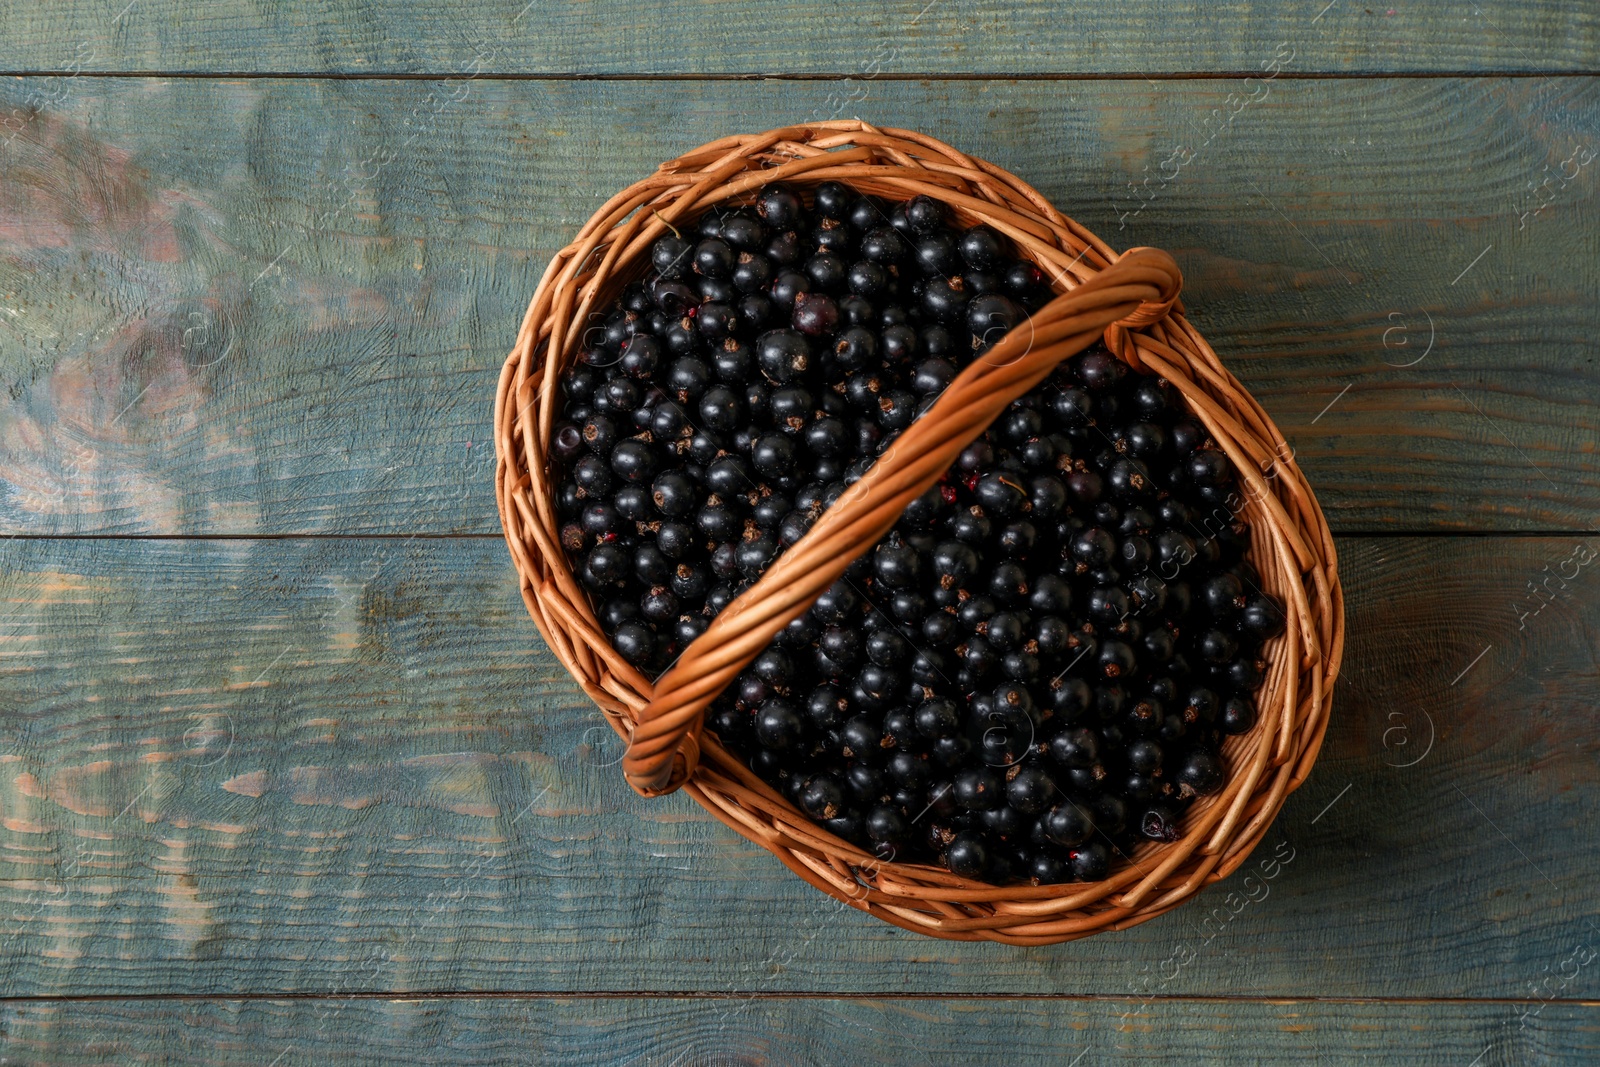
x=337 y=766
x=653 y=1032
x=862 y=39
x=244 y=307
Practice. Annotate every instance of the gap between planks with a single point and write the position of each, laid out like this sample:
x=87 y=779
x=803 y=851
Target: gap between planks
x=774 y=995
x=842 y=75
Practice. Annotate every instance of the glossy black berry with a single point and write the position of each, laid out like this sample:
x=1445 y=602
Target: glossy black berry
x=1238 y=715
x=778 y=725
x=779 y=207
x=633 y=461
x=925 y=214
x=782 y=355
x=866 y=278
x=1031 y=790
x=1090 y=862
x=1200 y=774
x=833 y=200
x=937 y=718
x=967 y=855
x=978 y=789
x=1261 y=618
x=688 y=378
x=1002 y=494
x=670 y=256
x=713 y=258
x=935 y=254
x=752 y=273
x=884 y=246
x=815 y=314
x=945 y=299
x=772 y=455
x=743 y=232
x=822 y=797
x=885 y=823
x=635 y=642
x=1076 y=747
x=674 y=494
x=981 y=248
x=991 y=315
x=1066 y=824
x=1217 y=646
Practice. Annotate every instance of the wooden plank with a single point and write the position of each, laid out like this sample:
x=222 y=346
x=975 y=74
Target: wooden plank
x=280 y=307
x=870 y=39
x=462 y=1031
x=330 y=766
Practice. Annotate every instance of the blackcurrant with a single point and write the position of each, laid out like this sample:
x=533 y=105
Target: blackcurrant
x=967 y=856
x=1066 y=824
x=778 y=725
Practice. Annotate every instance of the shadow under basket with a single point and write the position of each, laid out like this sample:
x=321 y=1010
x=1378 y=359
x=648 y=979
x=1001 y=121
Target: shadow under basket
x=1130 y=302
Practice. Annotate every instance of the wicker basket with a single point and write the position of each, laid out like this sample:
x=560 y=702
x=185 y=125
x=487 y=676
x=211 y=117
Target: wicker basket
x=1131 y=302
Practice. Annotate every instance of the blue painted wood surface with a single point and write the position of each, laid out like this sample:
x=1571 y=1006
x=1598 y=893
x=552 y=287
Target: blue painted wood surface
x=866 y=39
x=287 y=777
x=277 y=306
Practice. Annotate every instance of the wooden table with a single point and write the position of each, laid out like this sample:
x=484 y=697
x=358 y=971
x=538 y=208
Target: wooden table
x=286 y=775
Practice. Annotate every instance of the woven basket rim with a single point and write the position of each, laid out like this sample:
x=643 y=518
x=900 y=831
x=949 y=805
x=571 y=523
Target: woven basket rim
x=1136 y=311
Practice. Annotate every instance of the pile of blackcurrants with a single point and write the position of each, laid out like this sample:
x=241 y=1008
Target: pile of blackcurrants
x=1036 y=668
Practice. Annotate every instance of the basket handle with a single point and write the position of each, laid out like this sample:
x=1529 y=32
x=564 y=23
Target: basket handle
x=1138 y=290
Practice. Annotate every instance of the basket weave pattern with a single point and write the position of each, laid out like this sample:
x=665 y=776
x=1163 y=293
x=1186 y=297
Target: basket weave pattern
x=1129 y=301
